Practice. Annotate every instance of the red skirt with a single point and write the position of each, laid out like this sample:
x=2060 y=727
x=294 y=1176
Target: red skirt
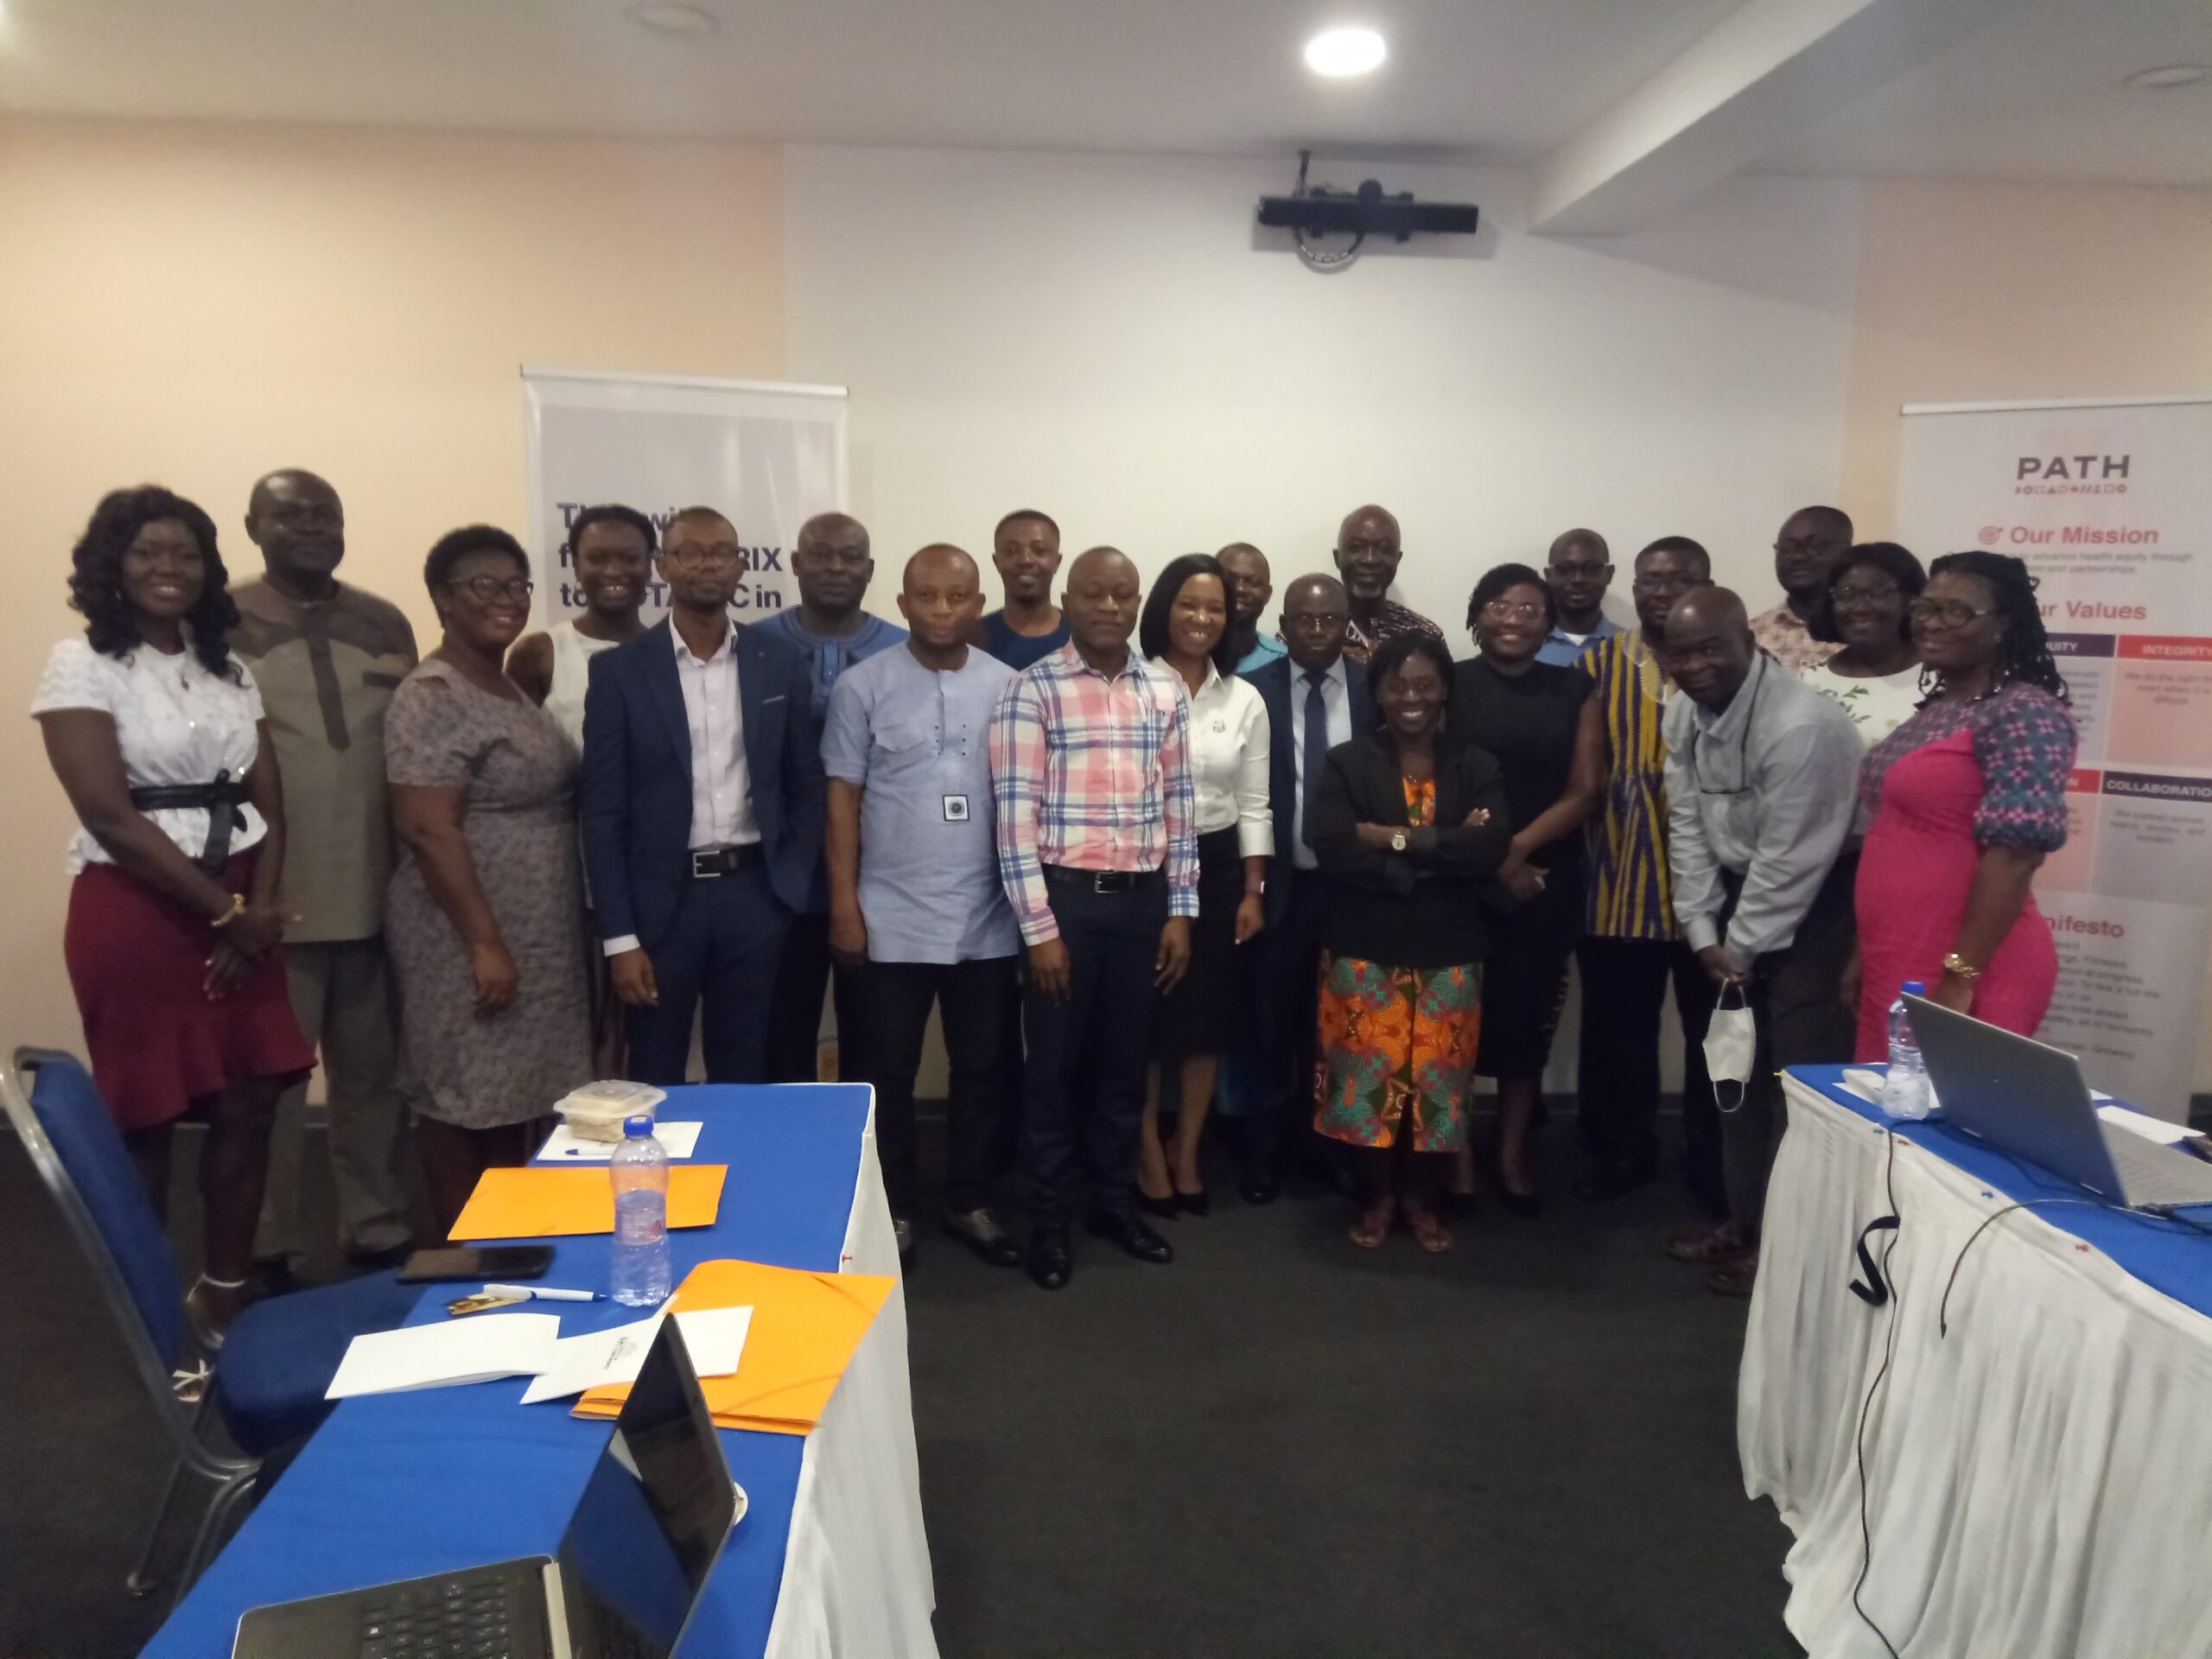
x=137 y=962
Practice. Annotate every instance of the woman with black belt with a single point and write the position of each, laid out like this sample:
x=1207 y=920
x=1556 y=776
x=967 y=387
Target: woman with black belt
x=156 y=731
x=1408 y=824
x=1185 y=627
x=1544 y=727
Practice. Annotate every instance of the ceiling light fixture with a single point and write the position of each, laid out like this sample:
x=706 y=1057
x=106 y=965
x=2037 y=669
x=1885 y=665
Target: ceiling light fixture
x=1338 y=52
x=671 y=17
x=2166 y=76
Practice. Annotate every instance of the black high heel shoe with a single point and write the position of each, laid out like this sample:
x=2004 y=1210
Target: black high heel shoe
x=1526 y=1205
x=1166 y=1209
x=1194 y=1204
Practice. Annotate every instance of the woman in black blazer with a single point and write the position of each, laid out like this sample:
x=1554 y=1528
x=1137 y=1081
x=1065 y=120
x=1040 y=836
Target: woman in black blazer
x=1408 y=824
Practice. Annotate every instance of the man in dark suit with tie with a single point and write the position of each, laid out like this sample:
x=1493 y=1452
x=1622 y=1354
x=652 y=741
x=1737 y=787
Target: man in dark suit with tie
x=1316 y=697
x=702 y=799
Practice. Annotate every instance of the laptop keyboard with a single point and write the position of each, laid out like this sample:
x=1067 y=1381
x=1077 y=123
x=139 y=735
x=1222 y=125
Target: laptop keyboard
x=461 y=1618
x=2156 y=1174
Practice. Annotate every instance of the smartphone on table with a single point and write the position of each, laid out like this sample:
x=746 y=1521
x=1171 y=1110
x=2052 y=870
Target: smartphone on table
x=496 y=1263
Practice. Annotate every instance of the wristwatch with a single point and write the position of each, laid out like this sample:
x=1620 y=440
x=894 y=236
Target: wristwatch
x=1398 y=842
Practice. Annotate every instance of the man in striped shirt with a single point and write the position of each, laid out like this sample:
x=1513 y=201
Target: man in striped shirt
x=1099 y=855
x=1632 y=945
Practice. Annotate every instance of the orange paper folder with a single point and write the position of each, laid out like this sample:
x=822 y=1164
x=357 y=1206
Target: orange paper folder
x=556 y=1203
x=805 y=1327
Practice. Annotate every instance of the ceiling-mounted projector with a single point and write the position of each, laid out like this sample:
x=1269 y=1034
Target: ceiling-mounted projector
x=1367 y=211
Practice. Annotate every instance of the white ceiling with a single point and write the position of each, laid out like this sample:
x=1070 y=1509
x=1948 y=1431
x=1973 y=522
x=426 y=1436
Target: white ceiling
x=2036 y=95
x=1504 y=79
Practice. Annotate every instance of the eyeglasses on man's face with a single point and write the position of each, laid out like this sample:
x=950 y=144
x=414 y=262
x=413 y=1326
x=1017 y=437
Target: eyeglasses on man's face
x=1668 y=582
x=720 y=557
x=485 y=590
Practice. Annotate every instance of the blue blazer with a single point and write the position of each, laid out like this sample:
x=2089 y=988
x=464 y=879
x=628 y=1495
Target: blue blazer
x=1274 y=683
x=635 y=789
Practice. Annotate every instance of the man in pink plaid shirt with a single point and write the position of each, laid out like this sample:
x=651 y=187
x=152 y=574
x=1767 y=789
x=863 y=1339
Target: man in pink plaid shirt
x=1097 y=849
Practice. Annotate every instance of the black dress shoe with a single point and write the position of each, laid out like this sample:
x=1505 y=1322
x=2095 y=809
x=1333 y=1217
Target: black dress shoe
x=1262 y=1184
x=980 y=1231
x=1049 y=1263
x=1132 y=1235
x=1526 y=1205
x=1610 y=1181
x=1195 y=1204
x=1166 y=1209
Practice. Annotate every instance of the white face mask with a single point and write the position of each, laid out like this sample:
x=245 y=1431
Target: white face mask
x=1730 y=1041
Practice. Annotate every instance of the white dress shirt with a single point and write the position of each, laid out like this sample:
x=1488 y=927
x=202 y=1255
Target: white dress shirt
x=721 y=781
x=1228 y=761
x=1336 y=697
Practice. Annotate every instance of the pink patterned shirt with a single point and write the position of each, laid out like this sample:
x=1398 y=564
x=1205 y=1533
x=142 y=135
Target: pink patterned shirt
x=1093 y=773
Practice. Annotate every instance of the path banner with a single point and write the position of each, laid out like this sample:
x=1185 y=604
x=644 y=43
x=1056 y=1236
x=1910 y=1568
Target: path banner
x=769 y=455
x=2109 y=501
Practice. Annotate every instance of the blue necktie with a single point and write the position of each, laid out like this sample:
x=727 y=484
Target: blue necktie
x=1316 y=747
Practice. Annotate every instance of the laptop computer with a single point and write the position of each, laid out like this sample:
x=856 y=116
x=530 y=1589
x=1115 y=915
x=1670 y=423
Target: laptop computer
x=638 y=1551
x=2028 y=1098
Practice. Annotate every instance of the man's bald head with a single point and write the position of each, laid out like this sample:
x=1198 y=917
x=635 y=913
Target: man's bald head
x=296 y=520
x=1368 y=551
x=1101 y=600
x=831 y=562
x=1709 y=647
x=1316 y=610
x=941 y=596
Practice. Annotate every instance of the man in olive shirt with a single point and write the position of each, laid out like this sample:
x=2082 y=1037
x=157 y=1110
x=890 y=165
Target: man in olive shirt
x=327 y=658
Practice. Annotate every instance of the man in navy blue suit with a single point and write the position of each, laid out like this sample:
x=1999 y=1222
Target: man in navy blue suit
x=1316 y=698
x=702 y=798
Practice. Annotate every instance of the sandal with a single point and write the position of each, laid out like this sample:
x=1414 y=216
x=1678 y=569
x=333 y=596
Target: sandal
x=204 y=1330
x=189 y=1383
x=1429 y=1229
x=1709 y=1245
x=1372 y=1227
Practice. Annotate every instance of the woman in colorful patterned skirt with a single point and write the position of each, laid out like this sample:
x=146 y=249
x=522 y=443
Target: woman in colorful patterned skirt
x=1408 y=824
x=1964 y=800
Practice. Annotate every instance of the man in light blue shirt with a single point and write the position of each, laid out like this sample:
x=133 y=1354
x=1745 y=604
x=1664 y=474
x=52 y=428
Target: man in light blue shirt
x=917 y=915
x=1577 y=571
x=1251 y=585
x=831 y=563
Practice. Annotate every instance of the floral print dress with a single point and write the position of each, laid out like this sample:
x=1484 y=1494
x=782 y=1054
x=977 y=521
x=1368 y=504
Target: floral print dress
x=1398 y=1044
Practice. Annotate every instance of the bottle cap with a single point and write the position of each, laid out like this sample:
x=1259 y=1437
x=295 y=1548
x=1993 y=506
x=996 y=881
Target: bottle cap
x=1915 y=988
x=638 y=1127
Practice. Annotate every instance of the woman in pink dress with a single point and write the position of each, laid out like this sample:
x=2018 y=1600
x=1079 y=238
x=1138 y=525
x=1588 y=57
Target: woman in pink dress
x=1964 y=801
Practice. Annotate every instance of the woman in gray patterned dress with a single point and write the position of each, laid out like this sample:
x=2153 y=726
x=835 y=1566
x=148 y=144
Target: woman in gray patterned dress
x=485 y=918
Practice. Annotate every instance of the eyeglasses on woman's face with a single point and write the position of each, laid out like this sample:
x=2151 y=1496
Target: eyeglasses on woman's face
x=1949 y=613
x=486 y=589
x=1851 y=595
x=1506 y=610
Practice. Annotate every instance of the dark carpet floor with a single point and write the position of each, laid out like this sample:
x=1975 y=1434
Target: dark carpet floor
x=1279 y=1446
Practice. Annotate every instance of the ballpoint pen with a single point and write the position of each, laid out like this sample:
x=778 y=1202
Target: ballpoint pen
x=540 y=1294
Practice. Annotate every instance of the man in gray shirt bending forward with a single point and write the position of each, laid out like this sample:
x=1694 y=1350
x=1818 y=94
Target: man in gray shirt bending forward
x=1762 y=778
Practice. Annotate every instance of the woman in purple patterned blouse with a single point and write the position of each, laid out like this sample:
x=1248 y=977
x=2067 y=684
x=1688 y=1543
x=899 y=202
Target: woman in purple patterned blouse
x=1964 y=800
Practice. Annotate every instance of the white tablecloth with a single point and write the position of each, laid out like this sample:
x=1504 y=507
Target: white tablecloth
x=2040 y=1483
x=856 y=1573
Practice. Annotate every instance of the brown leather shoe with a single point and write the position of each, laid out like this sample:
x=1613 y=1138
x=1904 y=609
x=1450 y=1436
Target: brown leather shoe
x=1735 y=1278
x=1705 y=1246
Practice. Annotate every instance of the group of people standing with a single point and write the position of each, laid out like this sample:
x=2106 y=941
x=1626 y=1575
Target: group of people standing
x=1329 y=875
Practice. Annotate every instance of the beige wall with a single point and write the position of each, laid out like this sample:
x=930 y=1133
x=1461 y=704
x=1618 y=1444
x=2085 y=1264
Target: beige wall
x=197 y=305
x=1979 y=292
x=1974 y=292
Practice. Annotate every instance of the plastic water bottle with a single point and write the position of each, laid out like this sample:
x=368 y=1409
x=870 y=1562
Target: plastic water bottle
x=1905 y=1089
x=639 y=1171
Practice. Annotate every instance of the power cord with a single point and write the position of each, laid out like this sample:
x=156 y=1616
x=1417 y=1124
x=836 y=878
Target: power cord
x=1883 y=1290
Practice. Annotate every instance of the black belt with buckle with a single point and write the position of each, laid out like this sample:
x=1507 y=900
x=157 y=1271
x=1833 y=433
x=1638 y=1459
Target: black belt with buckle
x=1103 y=880
x=220 y=800
x=710 y=863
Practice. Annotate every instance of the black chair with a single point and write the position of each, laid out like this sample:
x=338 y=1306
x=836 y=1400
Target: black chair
x=265 y=1386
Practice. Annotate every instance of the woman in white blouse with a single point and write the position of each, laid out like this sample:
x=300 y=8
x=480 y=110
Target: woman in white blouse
x=1184 y=627
x=155 y=730
x=1876 y=677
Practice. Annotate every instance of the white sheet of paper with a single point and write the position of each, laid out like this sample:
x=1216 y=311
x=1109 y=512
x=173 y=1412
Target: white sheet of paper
x=2142 y=1123
x=715 y=1337
x=446 y=1355
x=677 y=1140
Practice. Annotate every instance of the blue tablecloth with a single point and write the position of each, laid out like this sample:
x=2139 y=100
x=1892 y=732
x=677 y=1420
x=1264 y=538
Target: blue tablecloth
x=394 y=1486
x=2164 y=1254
